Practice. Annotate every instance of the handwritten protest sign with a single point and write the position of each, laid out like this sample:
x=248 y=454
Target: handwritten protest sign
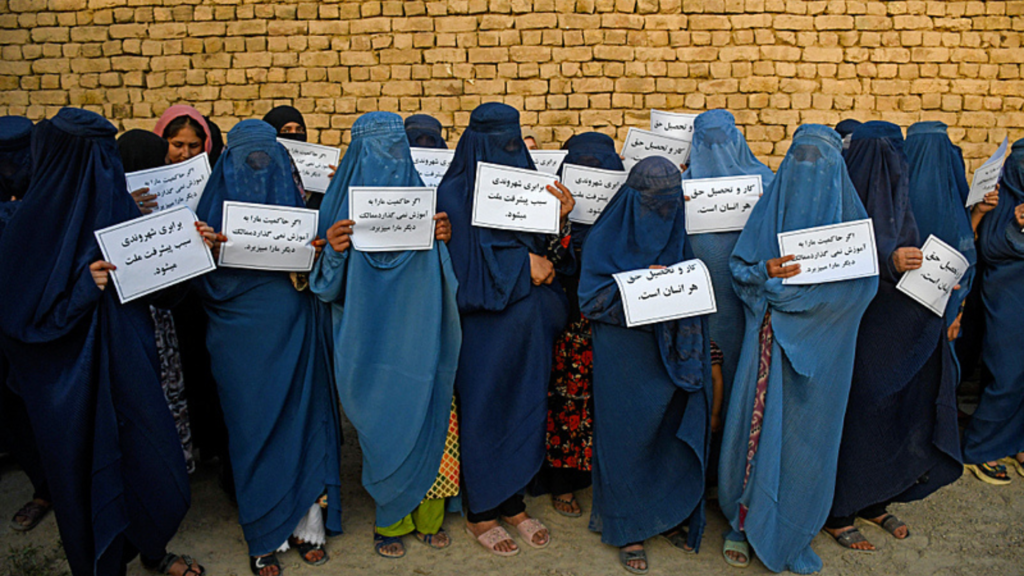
x=392 y=218
x=932 y=283
x=720 y=204
x=641 y=143
x=592 y=188
x=180 y=184
x=314 y=163
x=675 y=124
x=678 y=291
x=986 y=177
x=548 y=161
x=265 y=237
x=153 y=252
x=831 y=253
x=431 y=163
x=514 y=199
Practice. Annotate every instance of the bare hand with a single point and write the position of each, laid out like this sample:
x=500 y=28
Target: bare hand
x=100 y=271
x=144 y=200
x=682 y=167
x=989 y=203
x=778 y=269
x=212 y=239
x=1018 y=213
x=565 y=197
x=338 y=235
x=318 y=247
x=954 y=329
x=907 y=258
x=656 y=267
x=333 y=170
x=443 y=228
x=686 y=198
x=542 y=271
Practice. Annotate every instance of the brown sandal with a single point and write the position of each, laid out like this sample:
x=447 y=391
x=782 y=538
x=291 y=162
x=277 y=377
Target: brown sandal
x=34 y=512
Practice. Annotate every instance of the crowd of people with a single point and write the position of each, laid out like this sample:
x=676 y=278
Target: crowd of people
x=499 y=363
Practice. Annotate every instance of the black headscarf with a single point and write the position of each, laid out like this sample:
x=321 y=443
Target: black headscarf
x=282 y=115
x=424 y=132
x=141 y=150
x=216 y=141
x=15 y=161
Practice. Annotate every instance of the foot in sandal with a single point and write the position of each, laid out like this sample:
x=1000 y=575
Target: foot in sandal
x=492 y=536
x=990 y=473
x=566 y=505
x=31 y=515
x=535 y=533
x=388 y=546
x=850 y=537
x=891 y=524
x=633 y=558
x=438 y=540
x=736 y=553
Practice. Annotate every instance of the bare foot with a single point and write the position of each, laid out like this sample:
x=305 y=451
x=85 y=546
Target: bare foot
x=865 y=545
x=540 y=538
x=481 y=527
x=636 y=563
x=566 y=503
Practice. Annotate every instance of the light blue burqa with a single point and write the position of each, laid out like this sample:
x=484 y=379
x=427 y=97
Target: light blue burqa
x=396 y=329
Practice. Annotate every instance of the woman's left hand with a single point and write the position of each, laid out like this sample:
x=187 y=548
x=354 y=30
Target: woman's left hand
x=565 y=197
x=1018 y=213
x=907 y=258
x=318 y=247
x=100 y=271
x=954 y=329
x=443 y=228
x=212 y=239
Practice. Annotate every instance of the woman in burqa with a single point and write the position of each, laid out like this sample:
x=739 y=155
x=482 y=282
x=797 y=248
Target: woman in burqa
x=85 y=364
x=900 y=437
x=424 y=131
x=781 y=438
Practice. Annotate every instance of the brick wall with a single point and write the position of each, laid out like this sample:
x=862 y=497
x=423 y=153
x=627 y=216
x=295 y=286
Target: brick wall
x=568 y=65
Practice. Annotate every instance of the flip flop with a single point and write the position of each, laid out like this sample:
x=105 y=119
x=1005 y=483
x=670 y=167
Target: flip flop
x=529 y=528
x=626 y=557
x=890 y=524
x=740 y=546
x=491 y=538
x=1017 y=464
x=572 y=500
x=995 y=476
x=849 y=538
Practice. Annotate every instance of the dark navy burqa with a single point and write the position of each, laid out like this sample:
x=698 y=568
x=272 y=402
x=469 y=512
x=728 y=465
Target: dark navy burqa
x=85 y=364
x=424 y=132
x=900 y=436
x=652 y=384
x=15 y=161
x=997 y=426
x=270 y=349
x=508 y=324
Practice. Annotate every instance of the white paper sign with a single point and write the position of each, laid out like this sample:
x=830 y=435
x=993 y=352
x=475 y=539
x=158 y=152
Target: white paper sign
x=391 y=219
x=514 y=199
x=678 y=291
x=986 y=177
x=548 y=161
x=431 y=163
x=831 y=253
x=175 y=184
x=592 y=188
x=932 y=283
x=314 y=163
x=675 y=124
x=720 y=204
x=642 y=143
x=265 y=237
x=155 y=251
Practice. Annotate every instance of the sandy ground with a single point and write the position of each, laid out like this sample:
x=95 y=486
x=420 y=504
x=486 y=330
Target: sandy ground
x=968 y=528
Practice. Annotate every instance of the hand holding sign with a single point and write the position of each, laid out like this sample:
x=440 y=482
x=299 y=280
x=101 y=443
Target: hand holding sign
x=660 y=293
x=830 y=253
x=592 y=189
x=515 y=199
x=392 y=219
x=720 y=204
x=165 y=187
x=935 y=278
x=268 y=237
x=641 y=143
x=315 y=163
x=431 y=163
x=986 y=177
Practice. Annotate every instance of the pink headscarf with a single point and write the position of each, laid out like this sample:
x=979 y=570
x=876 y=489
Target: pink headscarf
x=177 y=111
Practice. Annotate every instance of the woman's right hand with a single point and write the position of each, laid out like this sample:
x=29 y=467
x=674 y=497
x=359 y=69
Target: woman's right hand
x=777 y=269
x=907 y=258
x=338 y=235
x=1018 y=213
x=100 y=271
x=144 y=200
x=542 y=271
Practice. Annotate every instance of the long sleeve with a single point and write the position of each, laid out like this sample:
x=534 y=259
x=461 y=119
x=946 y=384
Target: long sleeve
x=327 y=280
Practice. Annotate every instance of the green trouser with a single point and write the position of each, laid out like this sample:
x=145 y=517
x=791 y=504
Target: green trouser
x=426 y=519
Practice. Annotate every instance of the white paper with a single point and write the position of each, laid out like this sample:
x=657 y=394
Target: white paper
x=265 y=237
x=720 y=204
x=431 y=163
x=314 y=163
x=592 y=188
x=932 y=283
x=675 y=124
x=175 y=184
x=514 y=199
x=642 y=143
x=831 y=253
x=391 y=219
x=548 y=161
x=986 y=177
x=678 y=291
x=155 y=251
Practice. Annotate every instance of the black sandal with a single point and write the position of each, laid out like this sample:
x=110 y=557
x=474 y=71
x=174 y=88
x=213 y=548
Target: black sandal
x=555 y=501
x=305 y=548
x=34 y=512
x=258 y=563
x=890 y=523
x=626 y=557
x=164 y=566
x=380 y=541
x=848 y=538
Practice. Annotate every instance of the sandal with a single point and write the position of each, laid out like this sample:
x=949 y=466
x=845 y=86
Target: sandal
x=165 y=563
x=740 y=547
x=305 y=548
x=380 y=541
x=890 y=524
x=258 y=563
x=678 y=538
x=529 y=528
x=626 y=557
x=428 y=539
x=1017 y=464
x=995 y=475
x=35 y=513
x=850 y=537
x=492 y=538
x=571 y=504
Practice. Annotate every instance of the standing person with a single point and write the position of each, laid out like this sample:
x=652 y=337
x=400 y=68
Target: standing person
x=83 y=362
x=996 y=429
x=511 y=312
x=288 y=122
x=570 y=431
x=269 y=355
x=652 y=384
x=781 y=438
x=900 y=437
x=397 y=338
x=186 y=132
x=845 y=130
x=424 y=132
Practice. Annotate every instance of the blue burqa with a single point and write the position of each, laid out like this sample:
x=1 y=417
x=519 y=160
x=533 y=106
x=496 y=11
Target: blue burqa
x=719 y=150
x=269 y=352
x=900 y=437
x=652 y=384
x=15 y=160
x=508 y=324
x=789 y=492
x=396 y=330
x=85 y=364
x=997 y=426
x=424 y=132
